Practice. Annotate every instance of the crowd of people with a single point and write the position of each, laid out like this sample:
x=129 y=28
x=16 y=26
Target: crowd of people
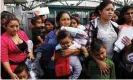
x=69 y=50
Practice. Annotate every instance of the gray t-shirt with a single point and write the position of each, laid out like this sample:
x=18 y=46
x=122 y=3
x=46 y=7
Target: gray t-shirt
x=107 y=34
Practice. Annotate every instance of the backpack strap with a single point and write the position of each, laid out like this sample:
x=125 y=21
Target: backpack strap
x=115 y=28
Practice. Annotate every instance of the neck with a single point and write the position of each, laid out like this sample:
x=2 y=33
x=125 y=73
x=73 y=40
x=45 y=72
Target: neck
x=129 y=23
x=103 y=21
x=12 y=35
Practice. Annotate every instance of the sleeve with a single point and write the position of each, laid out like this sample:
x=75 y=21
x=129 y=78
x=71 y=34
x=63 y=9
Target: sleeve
x=112 y=74
x=89 y=31
x=36 y=32
x=89 y=70
x=30 y=45
x=58 y=47
x=78 y=46
x=4 y=51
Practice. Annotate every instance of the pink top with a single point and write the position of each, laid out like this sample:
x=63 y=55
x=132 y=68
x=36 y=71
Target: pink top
x=10 y=51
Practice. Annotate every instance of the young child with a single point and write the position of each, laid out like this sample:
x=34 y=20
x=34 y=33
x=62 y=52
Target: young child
x=36 y=31
x=99 y=51
x=22 y=71
x=72 y=63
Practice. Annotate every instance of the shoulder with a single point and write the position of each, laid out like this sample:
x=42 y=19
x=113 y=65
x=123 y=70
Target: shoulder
x=109 y=61
x=114 y=24
x=93 y=23
x=76 y=45
x=4 y=39
x=21 y=32
x=23 y=35
x=51 y=34
x=4 y=36
x=92 y=62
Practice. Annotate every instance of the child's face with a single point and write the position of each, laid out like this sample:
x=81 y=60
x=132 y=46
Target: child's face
x=65 y=43
x=48 y=26
x=38 y=23
x=101 y=55
x=23 y=75
x=74 y=23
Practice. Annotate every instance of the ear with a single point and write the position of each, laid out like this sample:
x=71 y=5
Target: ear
x=99 y=12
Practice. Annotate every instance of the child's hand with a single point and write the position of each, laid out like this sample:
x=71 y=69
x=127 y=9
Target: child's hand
x=104 y=68
x=52 y=58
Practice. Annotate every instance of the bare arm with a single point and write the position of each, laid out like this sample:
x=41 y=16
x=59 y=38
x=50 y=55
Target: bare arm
x=84 y=50
x=53 y=57
x=40 y=39
x=31 y=55
x=68 y=52
x=8 y=69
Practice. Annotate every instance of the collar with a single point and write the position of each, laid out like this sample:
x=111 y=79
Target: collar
x=95 y=23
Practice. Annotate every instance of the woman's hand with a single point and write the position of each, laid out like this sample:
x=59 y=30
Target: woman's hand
x=104 y=68
x=31 y=56
x=66 y=52
x=126 y=41
x=14 y=76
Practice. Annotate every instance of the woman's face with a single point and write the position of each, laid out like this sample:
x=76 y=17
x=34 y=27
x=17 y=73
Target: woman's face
x=65 y=20
x=107 y=12
x=93 y=17
x=13 y=27
x=128 y=16
x=74 y=23
x=48 y=26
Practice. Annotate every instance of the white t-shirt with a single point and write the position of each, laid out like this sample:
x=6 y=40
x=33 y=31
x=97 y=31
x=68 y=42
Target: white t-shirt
x=107 y=34
x=81 y=27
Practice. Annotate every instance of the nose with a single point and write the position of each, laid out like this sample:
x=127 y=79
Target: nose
x=111 y=12
x=130 y=14
x=15 y=28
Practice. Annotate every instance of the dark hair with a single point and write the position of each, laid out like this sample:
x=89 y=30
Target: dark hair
x=76 y=15
x=11 y=18
x=121 y=19
x=21 y=67
x=58 y=17
x=117 y=13
x=51 y=21
x=76 y=19
x=102 y=5
x=96 y=45
x=63 y=34
x=34 y=20
x=6 y=17
x=91 y=14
